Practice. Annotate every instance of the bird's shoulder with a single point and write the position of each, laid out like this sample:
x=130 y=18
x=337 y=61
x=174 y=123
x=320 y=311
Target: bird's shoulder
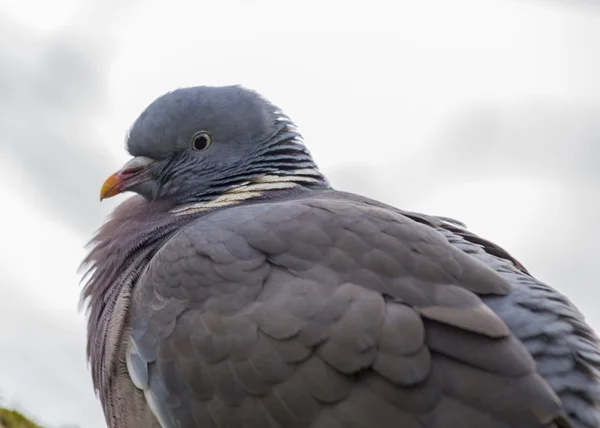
x=342 y=232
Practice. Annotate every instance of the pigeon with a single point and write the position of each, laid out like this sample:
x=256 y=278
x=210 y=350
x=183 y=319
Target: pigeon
x=237 y=288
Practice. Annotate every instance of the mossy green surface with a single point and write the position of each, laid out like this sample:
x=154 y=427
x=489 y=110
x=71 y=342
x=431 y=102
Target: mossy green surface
x=14 y=419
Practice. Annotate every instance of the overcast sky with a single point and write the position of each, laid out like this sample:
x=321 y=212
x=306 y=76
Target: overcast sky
x=483 y=110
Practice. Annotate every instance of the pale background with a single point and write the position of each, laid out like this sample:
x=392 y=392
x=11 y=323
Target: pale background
x=484 y=110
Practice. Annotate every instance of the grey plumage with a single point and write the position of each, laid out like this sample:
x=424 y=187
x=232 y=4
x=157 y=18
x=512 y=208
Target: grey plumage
x=241 y=290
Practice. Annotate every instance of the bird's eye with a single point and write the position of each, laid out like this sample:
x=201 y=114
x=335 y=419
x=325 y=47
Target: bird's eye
x=201 y=141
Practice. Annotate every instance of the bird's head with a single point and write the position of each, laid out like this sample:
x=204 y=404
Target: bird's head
x=202 y=144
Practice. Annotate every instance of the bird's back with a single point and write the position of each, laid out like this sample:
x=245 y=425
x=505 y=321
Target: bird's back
x=341 y=303
x=565 y=348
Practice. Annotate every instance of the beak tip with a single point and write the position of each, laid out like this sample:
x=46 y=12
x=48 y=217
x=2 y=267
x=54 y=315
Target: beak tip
x=110 y=187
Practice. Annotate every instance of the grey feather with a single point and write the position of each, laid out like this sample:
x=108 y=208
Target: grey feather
x=554 y=331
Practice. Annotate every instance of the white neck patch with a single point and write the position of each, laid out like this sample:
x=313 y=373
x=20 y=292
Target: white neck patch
x=252 y=189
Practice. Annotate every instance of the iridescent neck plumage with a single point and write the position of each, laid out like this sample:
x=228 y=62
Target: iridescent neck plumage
x=282 y=166
x=120 y=251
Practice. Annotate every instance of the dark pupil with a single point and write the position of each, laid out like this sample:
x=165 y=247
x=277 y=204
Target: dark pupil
x=200 y=142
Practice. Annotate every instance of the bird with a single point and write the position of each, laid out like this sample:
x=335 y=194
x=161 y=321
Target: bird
x=236 y=287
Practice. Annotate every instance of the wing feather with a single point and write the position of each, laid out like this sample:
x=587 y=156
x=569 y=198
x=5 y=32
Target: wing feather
x=328 y=313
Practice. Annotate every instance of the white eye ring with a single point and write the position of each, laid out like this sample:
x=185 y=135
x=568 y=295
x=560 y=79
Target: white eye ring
x=201 y=141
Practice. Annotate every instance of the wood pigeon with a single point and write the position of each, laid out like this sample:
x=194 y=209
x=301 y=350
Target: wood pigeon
x=238 y=289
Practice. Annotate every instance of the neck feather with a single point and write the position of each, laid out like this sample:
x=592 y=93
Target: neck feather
x=283 y=166
x=121 y=249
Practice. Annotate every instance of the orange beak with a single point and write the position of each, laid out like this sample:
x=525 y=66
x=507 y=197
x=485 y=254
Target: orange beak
x=112 y=186
x=133 y=172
